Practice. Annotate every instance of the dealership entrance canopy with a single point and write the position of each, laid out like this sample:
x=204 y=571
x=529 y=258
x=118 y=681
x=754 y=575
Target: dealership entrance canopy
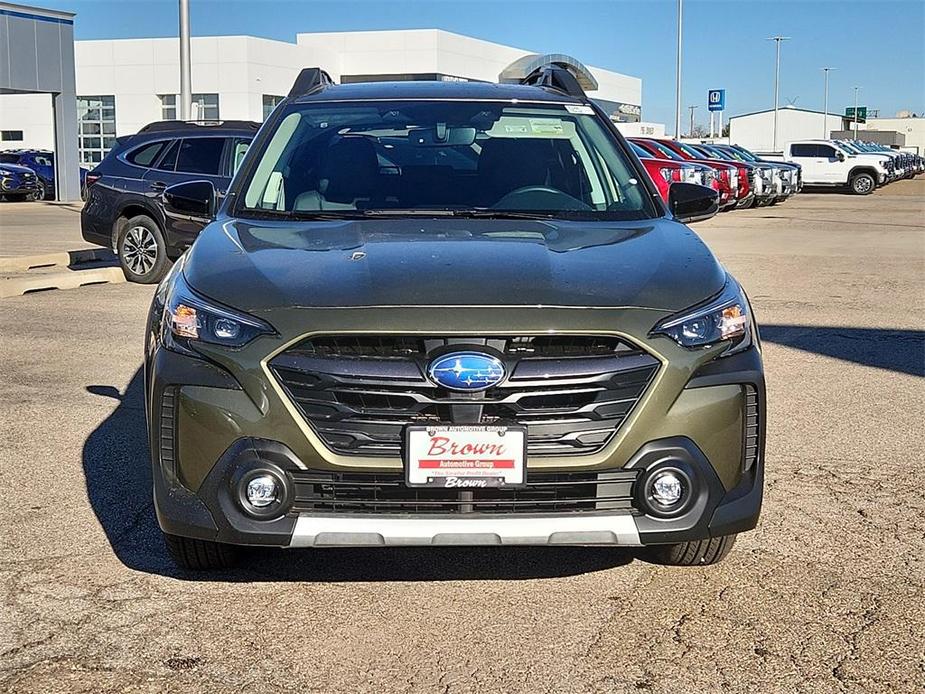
x=38 y=58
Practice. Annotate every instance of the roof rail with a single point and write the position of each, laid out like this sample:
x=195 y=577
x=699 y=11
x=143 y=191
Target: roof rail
x=555 y=77
x=173 y=125
x=309 y=79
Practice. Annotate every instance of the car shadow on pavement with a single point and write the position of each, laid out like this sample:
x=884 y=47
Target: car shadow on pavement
x=118 y=476
x=882 y=348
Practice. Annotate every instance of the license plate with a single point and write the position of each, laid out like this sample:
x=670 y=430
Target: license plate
x=465 y=457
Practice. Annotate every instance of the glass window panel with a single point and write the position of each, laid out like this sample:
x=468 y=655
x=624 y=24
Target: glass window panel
x=202 y=155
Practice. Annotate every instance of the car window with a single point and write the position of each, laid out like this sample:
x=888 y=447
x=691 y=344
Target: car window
x=7 y=158
x=201 y=155
x=146 y=154
x=448 y=156
x=798 y=150
x=825 y=151
x=238 y=150
x=42 y=160
x=168 y=162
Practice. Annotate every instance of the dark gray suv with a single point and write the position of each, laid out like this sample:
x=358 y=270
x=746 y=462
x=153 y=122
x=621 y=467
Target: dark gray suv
x=123 y=209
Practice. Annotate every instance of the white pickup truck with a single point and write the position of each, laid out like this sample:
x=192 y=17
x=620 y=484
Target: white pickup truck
x=826 y=163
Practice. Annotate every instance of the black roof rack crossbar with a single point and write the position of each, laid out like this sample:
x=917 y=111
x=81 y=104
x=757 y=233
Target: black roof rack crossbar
x=555 y=77
x=174 y=125
x=309 y=79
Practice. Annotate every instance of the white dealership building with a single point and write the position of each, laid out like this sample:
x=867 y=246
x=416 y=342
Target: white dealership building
x=123 y=84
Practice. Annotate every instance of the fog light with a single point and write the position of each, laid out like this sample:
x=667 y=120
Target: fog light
x=262 y=491
x=666 y=488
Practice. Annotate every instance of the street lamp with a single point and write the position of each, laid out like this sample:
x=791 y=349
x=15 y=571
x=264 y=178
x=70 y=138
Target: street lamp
x=677 y=87
x=185 y=90
x=856 y=90
x=777 y=40
x=825 y=108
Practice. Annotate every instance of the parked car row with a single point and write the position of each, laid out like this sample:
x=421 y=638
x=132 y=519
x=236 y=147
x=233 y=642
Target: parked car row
x=861 y=167
x=29 y=174
x=740 y=178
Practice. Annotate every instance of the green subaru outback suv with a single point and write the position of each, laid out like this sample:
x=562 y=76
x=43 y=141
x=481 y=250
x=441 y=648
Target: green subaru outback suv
x=450 y=314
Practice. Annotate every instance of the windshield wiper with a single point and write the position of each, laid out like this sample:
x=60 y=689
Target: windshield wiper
x=503 y=214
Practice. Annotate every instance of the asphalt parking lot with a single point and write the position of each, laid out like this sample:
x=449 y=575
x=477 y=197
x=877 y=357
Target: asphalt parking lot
x=825 y=596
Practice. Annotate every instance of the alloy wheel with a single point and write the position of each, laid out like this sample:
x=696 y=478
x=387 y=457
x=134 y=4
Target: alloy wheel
x=139 y=250
x=862 y=184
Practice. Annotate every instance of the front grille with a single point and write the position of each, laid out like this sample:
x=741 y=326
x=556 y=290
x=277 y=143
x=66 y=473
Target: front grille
x=359 y=392
x=386 y=493
x=751 y=427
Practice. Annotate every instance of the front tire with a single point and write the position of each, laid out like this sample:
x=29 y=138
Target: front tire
x=142 y=251
x=862 y=184
x=39 y=193
x=693 y=553
x=199 y=555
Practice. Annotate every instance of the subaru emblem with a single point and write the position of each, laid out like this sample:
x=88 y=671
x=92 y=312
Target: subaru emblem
x=466 y=371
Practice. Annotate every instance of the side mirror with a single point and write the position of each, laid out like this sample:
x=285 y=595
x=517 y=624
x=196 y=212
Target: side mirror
x=190 y=199
x=690 y=202
x=840 y=155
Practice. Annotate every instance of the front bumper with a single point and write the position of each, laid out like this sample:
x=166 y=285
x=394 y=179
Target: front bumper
x=726 y=497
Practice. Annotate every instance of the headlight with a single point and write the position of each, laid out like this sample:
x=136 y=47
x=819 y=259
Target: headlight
x=190 y=318
x=724 y=319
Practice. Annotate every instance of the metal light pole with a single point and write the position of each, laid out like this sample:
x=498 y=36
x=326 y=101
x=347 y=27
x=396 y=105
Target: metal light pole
x=185 y=71
x=856 y=90
x=825 y=108
x=777 y=40
x=690 y=132
x=677 y=93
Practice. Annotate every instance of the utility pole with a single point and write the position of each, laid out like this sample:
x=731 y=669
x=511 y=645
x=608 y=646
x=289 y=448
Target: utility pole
x=777 y=40
x=185 y=90
x=825 y=108
x=856 y=90
x=677 y=87
x=690 y=132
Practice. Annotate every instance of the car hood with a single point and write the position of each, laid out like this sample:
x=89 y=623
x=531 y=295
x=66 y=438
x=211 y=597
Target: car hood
x=260 y=266
x=15 y=168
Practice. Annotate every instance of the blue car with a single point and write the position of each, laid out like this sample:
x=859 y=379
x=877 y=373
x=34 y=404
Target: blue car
x=42 y=162
x=18 y=183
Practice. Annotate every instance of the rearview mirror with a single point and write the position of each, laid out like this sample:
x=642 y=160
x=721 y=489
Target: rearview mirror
x=690 y=202
x=442 y=136
x=190 y=199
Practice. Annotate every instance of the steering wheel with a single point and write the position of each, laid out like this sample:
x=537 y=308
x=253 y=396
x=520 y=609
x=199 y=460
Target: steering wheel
x=540 y=198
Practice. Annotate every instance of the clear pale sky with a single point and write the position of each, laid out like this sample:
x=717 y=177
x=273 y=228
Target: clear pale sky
x=877 y=44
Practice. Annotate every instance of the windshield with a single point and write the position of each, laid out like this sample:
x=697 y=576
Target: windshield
x=744 y=153
x=716 y=152
x=690 y=151
x=7 y=158
x=851 y=149
x=667 y=151
x=443 y=157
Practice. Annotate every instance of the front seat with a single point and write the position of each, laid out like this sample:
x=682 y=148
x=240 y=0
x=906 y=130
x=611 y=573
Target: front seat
x=506 y=164
x=347 y=176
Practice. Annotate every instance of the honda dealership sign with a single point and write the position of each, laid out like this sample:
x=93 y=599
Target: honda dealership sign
x=716 y=100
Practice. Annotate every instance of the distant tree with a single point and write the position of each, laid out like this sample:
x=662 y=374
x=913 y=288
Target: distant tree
x=726 y=130
x=699 y=131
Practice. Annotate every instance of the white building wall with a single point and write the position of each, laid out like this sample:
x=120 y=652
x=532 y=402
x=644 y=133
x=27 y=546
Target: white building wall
x=32 y=114
x=641 y=129
x=755 y=131
x=912 y=128
x=241 y=69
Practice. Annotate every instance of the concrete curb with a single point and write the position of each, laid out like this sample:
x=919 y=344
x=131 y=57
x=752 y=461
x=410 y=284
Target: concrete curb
x=17 y=286
x=65 y=259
